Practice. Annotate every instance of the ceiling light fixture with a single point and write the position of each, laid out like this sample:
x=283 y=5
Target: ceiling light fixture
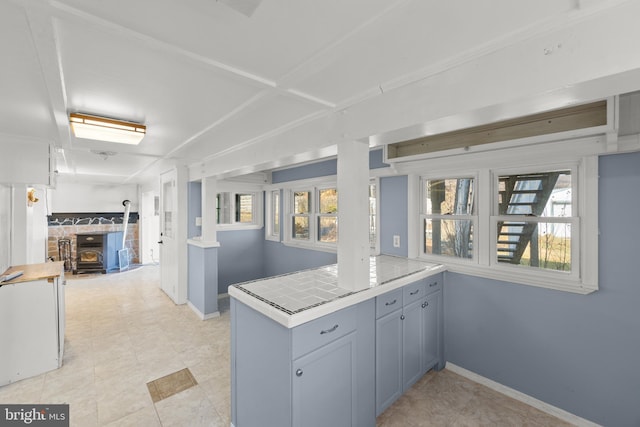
x=104 y=129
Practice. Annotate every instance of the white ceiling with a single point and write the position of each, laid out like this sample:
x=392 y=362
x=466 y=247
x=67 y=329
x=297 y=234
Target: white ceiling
x=207 y=79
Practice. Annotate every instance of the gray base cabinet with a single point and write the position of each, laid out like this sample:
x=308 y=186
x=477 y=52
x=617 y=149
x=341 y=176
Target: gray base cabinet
x=342 y=369
x=408 y=338
x=316 y=374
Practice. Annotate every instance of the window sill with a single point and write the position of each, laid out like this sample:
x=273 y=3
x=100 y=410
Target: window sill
x=541 y=280
x=236 y=227
x=311 y=246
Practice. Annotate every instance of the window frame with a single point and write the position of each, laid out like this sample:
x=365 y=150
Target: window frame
x=272 y=231
x=257 y=210
x=423 y=216
x=313 y=242
x=583 y=278
x=574 y=220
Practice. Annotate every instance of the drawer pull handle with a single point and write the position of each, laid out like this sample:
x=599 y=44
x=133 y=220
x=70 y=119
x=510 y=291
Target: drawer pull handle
x=391 y=303
x=299 y=373
x=328 y=331
x=414 y=292
x=431 y=285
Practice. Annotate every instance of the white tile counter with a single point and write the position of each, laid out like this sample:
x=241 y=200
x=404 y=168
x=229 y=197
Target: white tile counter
x=296 y=298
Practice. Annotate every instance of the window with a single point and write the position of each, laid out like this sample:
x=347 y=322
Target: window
x=272 y=215
x=238 y=210
x=448 y=217
x=301 y=214
x=534 y=221
x=313 y=217
x=328 y=215
x=535 y=225
x=373 y=217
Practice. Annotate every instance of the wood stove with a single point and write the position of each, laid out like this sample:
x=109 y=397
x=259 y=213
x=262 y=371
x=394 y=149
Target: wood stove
x=97 y=252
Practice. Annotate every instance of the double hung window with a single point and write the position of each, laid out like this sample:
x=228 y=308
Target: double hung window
x=532 y=225
x=448 y=217
x=313 y=217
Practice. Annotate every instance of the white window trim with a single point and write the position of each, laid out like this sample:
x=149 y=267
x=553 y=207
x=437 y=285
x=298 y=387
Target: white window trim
x=313 y=186
x=376 y=250
x=269 y=232
x=584 y=278
x=258 y=212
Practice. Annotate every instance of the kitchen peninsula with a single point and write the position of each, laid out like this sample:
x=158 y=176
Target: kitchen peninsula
x=32 y=321
x=305 y=352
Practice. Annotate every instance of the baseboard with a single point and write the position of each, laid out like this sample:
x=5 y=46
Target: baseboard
x=200 y=314
x=525 y=398
x=225 y=295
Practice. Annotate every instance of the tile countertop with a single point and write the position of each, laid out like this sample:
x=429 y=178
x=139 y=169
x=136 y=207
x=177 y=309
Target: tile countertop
x=296 y=298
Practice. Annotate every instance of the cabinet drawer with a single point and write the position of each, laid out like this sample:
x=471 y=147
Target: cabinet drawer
x=386 y=303
x=434 y=283
x=311 y=335
x=413 y=292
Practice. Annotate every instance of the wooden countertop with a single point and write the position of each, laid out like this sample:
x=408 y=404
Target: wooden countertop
x=31 y=272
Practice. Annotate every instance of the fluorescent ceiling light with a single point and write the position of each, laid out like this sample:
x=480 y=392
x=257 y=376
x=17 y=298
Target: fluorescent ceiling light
x=103 y=129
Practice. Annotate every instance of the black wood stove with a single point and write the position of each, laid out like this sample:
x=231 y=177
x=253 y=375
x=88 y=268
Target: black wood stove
x=97 y=252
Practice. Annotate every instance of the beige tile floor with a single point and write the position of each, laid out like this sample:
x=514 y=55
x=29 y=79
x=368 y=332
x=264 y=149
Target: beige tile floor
x=123 y=332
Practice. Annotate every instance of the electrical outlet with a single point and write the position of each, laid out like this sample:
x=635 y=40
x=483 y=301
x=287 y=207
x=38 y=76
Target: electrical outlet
x=396 y=241
x=198 y=221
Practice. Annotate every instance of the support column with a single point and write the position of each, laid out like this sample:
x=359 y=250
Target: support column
x=203 y=256
x=209 y=222
x=353 y=211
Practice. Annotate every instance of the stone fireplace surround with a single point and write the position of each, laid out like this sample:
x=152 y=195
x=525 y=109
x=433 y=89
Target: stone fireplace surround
x=68 y=225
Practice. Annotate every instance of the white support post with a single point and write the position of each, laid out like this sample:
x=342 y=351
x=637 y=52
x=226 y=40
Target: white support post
x=209 y=225
x=353 y=211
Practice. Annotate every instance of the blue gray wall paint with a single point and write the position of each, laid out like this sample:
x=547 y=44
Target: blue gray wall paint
x=240 y=257
x=393 y=215
x=281 y=259
x=376 y=159
x=577 y=352
x=194 y=201
x=323 y=168
x=203 y=278
x=313 y=170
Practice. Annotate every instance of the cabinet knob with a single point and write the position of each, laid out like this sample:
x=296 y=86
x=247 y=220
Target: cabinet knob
x=425 y=304
x=402 y=317
x=299 y=373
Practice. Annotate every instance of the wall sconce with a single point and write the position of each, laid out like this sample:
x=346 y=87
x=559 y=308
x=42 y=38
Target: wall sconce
x=104 y=129
x=31 y=197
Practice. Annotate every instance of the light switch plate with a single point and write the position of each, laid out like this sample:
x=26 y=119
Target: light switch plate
x=198 y=221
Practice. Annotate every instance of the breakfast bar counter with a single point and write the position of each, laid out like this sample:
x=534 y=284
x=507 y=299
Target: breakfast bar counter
x=305 y=352
x=296 y=298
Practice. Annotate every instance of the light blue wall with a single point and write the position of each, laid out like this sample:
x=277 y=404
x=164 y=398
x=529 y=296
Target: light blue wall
x=194 y=201
x=577 y=352
x=240 y=257
x=324 y=168
x=393 y=215
x=203 y=278
x=281 y=259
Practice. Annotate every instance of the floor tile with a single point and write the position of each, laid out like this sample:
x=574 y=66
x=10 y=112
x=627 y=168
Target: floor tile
x=123 y=332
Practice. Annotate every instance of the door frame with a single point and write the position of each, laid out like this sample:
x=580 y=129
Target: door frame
x=180 y=225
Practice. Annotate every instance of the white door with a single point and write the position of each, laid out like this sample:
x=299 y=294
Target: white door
x=149 y=227
x=168 y=233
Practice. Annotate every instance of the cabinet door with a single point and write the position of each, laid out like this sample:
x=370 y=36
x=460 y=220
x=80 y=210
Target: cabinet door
x=324 y=385
x=388 y=360
x=431 y=327
x=411 y=344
